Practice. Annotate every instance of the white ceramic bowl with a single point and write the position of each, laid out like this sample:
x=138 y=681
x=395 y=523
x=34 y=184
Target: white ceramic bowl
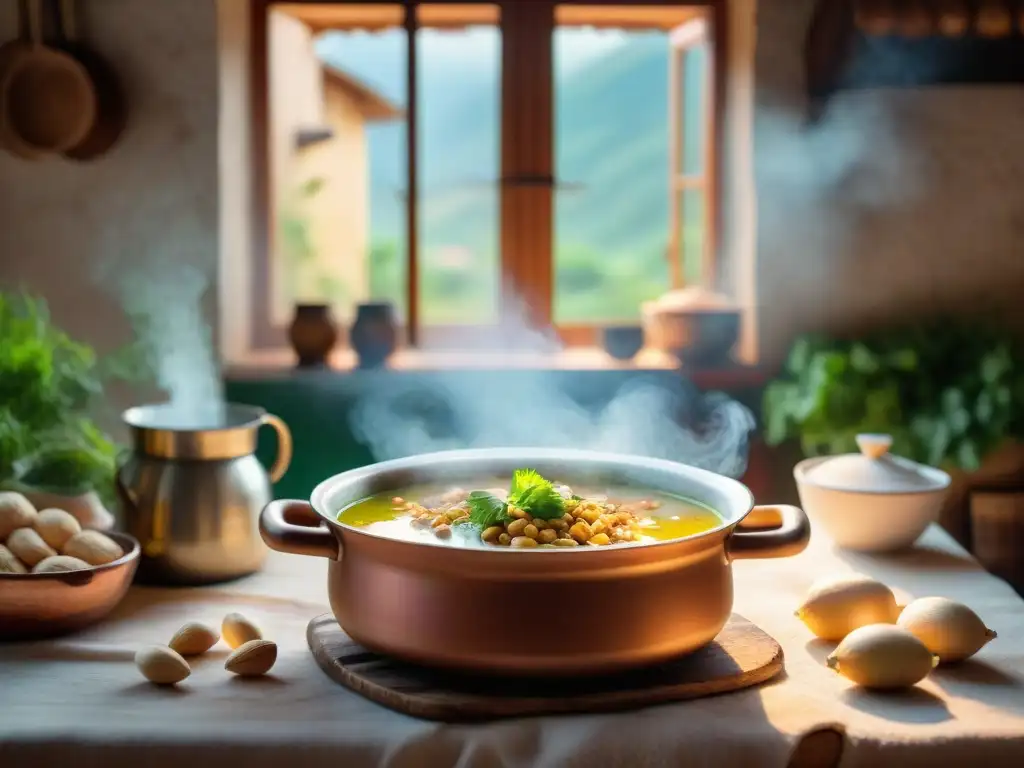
x=871 y=520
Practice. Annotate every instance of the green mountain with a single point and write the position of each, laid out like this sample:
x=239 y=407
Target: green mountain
x=612 y=142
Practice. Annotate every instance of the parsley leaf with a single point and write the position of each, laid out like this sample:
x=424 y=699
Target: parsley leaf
x=536 y=495
x=486 y=509
x=543 y=501
x=523 y=480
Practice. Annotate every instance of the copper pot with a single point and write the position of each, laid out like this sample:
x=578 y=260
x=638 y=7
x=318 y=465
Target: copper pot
x=39 y=605
x=557 y=611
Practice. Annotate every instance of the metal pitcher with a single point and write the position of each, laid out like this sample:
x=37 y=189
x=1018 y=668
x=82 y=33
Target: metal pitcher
x=191 y=491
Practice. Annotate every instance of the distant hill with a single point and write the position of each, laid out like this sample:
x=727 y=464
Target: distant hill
x=611 y=138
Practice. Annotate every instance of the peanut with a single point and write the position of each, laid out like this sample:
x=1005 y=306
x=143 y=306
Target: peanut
x=238 y=630
x=524 y=541
x=547 y=536
x=565 y=543
x=93 y=547
x=161 y=665
x=253 y=658
x=443 y=531
x=516 y=527
x=59 y=564
x=28 y=546
x=193 y=639
x=56 y=526
x=504 y=539
x=15 y=512
x=531 y=531
x=491 y=534
x=9 y=563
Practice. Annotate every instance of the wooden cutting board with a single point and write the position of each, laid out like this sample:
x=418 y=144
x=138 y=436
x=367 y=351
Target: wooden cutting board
x=741 y=656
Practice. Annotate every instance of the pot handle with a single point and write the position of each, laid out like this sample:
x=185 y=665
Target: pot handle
x=284 y=446
x=291 y=526
x=789 y=539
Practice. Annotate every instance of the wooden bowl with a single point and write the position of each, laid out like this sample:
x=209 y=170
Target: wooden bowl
x=38 y=605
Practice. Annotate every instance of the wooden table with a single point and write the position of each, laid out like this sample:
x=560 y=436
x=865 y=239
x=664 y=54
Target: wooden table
x=81 y=701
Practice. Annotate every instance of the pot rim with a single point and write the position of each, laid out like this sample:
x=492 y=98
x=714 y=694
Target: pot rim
x=741 y=495
x=941 y=479
x=165 y=417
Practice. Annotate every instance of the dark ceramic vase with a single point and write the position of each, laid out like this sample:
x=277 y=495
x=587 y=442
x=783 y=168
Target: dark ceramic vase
x=623 y=342
x=374 y=335
x=313 y=334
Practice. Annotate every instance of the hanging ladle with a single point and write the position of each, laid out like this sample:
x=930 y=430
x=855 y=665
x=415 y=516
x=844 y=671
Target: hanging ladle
x=47 y=100
x=111 y=112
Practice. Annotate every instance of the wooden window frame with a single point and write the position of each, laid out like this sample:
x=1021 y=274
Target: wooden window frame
x=527 y=182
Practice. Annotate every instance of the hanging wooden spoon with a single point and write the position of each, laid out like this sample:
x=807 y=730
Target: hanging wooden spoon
x=9 y=53
x=111 y=107
x=47 y=101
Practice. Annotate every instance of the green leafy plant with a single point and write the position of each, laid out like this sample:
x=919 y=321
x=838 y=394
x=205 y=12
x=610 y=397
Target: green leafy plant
x=50 y=385
x=949 y=392
x=529 y=492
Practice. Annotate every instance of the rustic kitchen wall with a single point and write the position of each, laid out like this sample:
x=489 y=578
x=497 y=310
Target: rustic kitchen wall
x=904 y=201
x=70 y=230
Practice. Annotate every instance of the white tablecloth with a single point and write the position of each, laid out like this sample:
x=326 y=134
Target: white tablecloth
x=80 y=700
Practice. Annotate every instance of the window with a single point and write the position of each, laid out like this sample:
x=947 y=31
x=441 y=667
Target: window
x=452 y=158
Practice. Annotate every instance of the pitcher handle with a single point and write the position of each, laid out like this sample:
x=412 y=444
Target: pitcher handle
x=284 y=446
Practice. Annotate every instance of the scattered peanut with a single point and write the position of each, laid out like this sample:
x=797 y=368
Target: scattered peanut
x=193 y=639
x=9 y=563
x=837 y=605
x=882 y=656
x=59 y=564
x=238 y=630
x=253 y=658
x=93 y=547
x=28 y=546
x=950 y=630
x=56 y=527
x=162 y=665
x=491 y=534
x=15 y=512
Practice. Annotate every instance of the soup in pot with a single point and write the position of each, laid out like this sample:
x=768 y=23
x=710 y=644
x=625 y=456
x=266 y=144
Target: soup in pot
x=528 y=512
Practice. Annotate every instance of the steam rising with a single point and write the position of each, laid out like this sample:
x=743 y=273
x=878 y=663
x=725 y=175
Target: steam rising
x=530 y=408
x=166 y=309
x=160 y=281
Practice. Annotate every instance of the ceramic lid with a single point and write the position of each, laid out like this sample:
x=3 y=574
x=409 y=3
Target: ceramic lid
x=875 y=470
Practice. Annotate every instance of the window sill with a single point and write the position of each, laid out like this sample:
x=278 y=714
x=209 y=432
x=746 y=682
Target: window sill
x=280 y=364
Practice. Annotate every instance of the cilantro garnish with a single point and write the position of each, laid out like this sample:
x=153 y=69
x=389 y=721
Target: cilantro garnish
x=529 y=492
x=536 y=495
x=486 y=509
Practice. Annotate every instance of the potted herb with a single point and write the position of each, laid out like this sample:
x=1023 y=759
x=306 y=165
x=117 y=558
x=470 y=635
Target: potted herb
x=50 y=385
x=950 y=393
x=313 y=331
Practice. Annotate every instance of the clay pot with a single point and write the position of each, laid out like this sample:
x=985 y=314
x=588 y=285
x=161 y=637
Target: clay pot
x=374 y=335
x=313 y=334
x=623 y=342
